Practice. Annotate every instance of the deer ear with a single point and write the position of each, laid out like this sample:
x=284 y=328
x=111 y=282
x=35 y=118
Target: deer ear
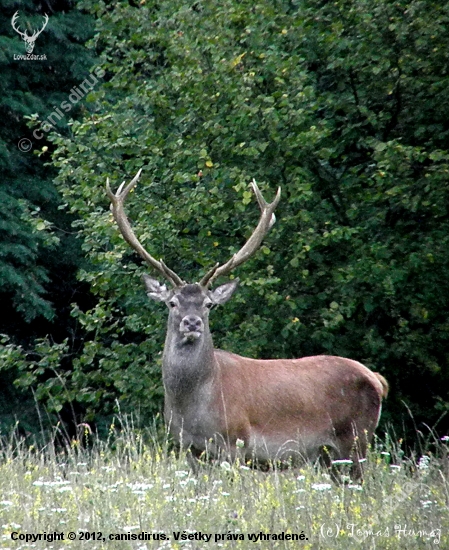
x=155 y=290
x=221 y=294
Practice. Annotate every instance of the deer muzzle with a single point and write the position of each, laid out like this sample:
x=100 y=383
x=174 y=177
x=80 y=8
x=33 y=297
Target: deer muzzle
x=192 y=327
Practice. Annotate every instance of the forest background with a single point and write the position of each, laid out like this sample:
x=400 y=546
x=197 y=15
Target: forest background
x=343 y=104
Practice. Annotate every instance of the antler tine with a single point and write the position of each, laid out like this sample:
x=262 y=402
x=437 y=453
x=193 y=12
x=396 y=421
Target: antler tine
x=267 y=219
x=121 y=193
x=117 y=200
x=37 y=33
x=263 y=203
x=13 y=23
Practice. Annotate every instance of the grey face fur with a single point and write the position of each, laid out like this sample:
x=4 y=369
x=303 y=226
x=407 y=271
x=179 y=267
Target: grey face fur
x=189 y=307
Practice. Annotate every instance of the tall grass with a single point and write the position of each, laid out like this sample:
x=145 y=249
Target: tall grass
x=132 y=486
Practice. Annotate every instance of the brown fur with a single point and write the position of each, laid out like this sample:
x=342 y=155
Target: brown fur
x=385 y=385
x=311 y=403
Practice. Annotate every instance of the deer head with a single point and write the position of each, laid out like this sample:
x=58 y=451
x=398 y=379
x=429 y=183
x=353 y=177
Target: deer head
x=29 y=40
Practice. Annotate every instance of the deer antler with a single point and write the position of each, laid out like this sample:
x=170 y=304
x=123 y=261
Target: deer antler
x=24 y=35
x=37 y=33
x=13 y=23
x=117 y=201
x=267 y=219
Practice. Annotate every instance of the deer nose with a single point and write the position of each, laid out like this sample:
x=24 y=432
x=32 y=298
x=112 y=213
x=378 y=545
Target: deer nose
x=192 y=323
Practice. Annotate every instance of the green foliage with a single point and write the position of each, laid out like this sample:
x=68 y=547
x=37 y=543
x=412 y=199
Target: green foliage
x=339 y=103
x=23 y=233
x=31 y=224
x=39 y=253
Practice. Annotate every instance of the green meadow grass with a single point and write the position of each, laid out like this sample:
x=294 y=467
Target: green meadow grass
x=131 y=487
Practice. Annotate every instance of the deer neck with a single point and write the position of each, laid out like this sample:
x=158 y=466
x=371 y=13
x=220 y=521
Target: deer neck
x=186 y=367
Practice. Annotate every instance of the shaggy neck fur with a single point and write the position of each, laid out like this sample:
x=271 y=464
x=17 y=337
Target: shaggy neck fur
x=186 y=365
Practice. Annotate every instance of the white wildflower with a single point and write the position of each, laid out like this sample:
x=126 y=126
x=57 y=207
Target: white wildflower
x=225 y=466
x=321 y=486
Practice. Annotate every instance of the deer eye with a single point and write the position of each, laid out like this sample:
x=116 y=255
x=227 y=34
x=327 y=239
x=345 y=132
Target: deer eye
x=209 y=305
x=172 y=304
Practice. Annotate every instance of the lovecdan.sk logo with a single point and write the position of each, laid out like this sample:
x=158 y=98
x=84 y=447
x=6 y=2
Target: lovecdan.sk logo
x=29 y=40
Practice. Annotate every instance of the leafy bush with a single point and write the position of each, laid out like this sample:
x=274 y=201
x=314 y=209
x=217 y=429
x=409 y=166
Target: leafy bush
x=339 y=103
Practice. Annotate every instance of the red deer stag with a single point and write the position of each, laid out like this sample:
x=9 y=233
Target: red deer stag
x=279 y=409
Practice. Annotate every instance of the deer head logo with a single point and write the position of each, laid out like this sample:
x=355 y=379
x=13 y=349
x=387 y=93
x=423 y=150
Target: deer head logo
x=29 y=40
